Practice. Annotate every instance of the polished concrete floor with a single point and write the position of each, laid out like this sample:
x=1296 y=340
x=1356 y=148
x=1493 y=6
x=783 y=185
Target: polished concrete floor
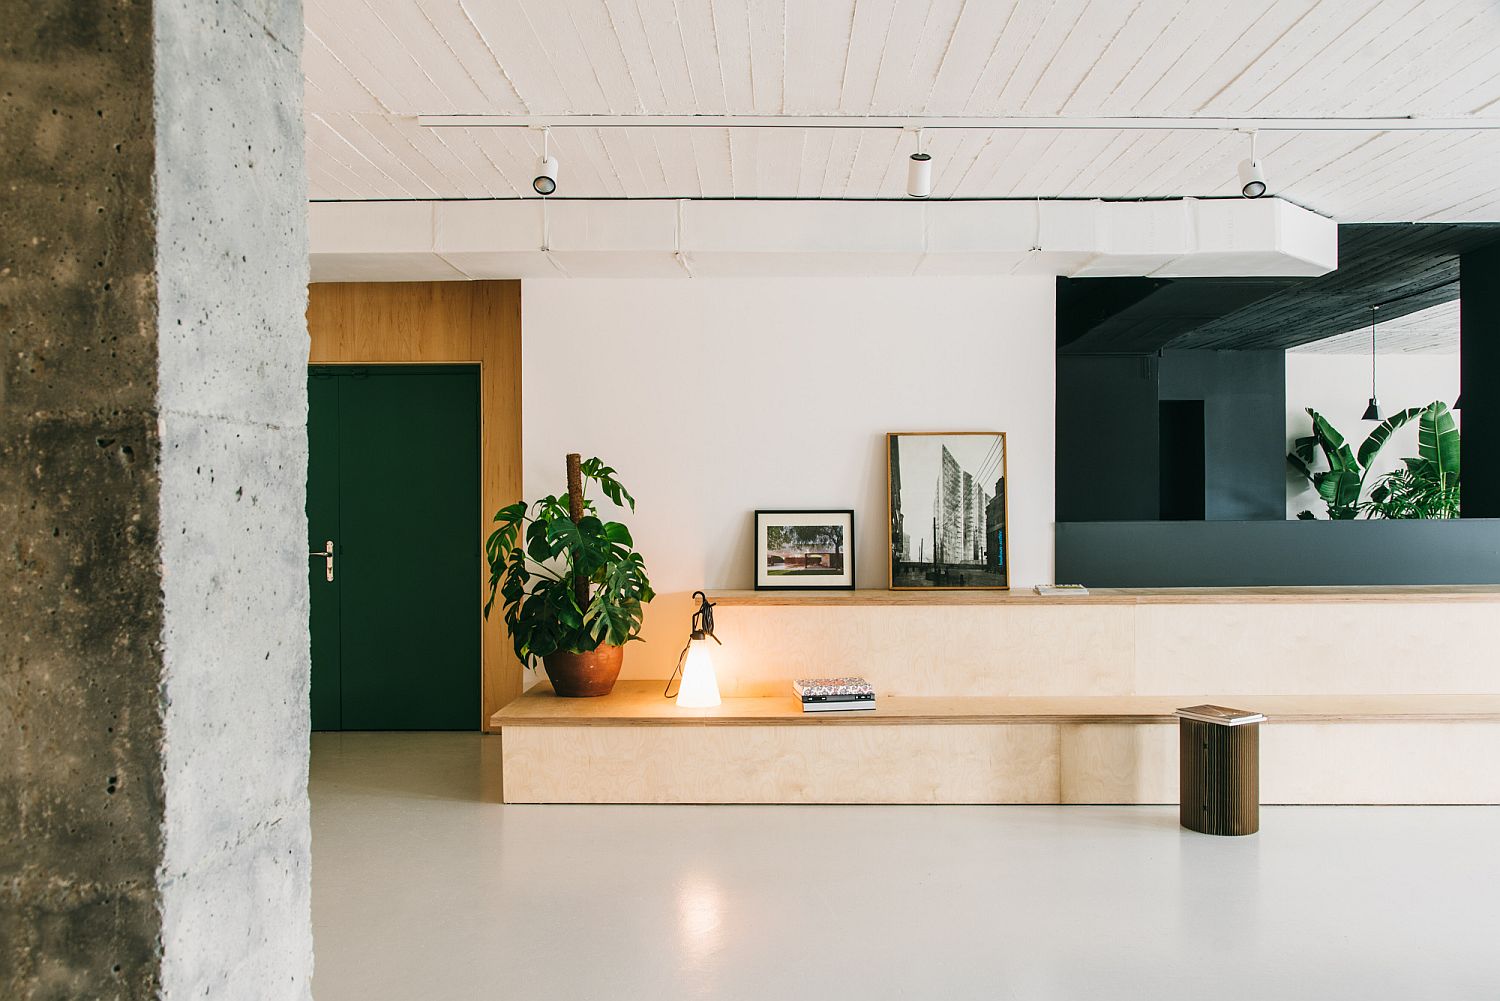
x=425 y=889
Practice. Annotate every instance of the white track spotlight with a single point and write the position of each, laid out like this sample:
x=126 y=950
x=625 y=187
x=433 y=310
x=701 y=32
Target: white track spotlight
x=545 y=182
x=919 y=172
x=1252 y=175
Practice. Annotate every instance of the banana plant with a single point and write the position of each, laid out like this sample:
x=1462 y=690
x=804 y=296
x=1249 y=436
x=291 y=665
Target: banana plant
x=1427 y=484
x=1342 y=484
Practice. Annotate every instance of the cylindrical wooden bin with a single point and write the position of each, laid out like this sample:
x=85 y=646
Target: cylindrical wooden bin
x=1220 y=771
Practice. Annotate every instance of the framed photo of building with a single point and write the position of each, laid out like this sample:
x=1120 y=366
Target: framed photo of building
x=948 y=514
x=804 y=550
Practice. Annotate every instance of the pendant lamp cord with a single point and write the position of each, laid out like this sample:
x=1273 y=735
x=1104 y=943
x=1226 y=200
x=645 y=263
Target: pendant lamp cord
x=1373 y=393
x=703 y=627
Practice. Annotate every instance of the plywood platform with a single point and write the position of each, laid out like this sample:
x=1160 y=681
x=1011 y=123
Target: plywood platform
x=1118 y=596
x=636 y=703
x=1376 y=695
x=636 y=747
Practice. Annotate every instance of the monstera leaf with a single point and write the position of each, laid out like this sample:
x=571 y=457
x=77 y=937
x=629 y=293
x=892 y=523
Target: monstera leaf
x=566 y=585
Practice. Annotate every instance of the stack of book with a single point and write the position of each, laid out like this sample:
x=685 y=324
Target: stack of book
x=832 y=695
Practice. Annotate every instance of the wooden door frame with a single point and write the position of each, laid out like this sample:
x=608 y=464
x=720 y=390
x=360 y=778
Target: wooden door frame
x=444 y=323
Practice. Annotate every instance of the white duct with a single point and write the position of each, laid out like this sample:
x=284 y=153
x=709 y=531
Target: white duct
x=414 y=241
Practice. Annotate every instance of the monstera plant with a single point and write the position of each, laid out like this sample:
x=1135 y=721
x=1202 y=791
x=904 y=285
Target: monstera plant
x=1342 y=484
x=1426 y=485
x=572 y=584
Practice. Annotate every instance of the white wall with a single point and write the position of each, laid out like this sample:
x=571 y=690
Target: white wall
x=1338 y=387
x=714 y=397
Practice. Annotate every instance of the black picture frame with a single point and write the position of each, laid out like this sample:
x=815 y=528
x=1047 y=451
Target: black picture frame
x=761 y=574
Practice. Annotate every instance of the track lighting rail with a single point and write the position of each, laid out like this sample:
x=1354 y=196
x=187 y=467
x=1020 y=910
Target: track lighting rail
x=1150 y=124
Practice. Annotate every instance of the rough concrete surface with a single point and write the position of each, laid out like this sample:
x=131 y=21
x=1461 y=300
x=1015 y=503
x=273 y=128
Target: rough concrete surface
x=232 y=278
x=153 y=648
x=80 y=626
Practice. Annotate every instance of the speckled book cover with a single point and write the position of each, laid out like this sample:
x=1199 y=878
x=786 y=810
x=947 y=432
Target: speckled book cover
x=816 y=687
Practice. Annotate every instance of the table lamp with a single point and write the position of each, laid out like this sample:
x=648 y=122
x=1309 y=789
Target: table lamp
x=700 y=686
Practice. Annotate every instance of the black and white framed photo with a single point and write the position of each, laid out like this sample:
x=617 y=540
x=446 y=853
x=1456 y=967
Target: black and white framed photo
x=947 y=507
x=804 y=550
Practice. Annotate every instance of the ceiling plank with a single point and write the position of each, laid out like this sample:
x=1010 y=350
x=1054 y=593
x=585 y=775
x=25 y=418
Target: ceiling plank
x=394 y=58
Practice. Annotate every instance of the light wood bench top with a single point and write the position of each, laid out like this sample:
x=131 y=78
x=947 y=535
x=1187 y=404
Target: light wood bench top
x=640 y=703
x=1117 y=596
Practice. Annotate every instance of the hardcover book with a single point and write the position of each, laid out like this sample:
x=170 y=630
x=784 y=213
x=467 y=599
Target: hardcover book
x=1221 y=715
x=828 y=687
x=850 y=705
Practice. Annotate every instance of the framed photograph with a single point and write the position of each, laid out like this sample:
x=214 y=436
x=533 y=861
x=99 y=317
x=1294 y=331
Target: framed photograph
x=804 y=550
x=947 y=507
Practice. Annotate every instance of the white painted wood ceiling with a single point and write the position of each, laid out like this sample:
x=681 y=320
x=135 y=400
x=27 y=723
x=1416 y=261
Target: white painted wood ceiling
x=372 y=65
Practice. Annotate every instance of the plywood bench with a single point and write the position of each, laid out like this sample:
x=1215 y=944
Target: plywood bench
x=636 y=747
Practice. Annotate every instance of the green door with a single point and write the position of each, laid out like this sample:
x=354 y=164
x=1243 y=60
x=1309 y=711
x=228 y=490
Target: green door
x=393 y=484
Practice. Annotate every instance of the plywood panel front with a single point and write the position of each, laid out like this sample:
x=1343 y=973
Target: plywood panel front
x=781 y=764
x=1372 y=647
x=1119 y=763
x=1398 y=762
x=936 y=650
x=1253 y=647
x=1388 y=762
x=403 y=323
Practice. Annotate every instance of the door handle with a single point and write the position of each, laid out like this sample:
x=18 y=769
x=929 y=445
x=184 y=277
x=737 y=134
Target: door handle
x=327 y=554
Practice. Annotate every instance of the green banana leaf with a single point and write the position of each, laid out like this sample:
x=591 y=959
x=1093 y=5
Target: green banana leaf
x=1340 y=489
x=1340 y=456
x=1342 y=483
x=1438 y=443
x=1382 y=434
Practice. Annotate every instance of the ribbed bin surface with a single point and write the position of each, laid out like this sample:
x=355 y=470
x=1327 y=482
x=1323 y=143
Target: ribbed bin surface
x=1220 y=777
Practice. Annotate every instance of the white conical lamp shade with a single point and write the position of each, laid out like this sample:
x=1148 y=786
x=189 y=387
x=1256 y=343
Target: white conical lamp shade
x=700 y=686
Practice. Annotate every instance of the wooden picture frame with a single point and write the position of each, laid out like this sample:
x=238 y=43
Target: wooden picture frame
x=946 y=531
x=819 y=557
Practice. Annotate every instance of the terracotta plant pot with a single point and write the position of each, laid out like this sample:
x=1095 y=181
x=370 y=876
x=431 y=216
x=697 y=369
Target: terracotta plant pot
x=584 y=675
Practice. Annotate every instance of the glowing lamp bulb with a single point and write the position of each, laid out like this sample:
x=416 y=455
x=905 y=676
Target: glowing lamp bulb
x=700 y=686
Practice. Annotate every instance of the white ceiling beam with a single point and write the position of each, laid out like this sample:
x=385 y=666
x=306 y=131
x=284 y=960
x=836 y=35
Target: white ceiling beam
x=980 y=123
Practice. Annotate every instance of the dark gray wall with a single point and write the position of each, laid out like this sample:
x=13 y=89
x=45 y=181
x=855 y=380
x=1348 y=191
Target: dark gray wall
x=1106 y=437
x=1244 y=403
x=1107 y=433
x=1266 y=553
x=1479 y=282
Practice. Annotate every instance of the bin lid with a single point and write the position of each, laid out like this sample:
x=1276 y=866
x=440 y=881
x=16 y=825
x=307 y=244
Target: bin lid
x=1221 y=715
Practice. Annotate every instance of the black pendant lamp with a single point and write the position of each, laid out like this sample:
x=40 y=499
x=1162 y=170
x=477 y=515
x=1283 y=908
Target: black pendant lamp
x=1372 y=412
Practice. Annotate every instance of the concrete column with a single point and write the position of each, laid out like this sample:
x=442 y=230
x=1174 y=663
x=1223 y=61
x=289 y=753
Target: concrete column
x=1479 y=290
x=153 y=609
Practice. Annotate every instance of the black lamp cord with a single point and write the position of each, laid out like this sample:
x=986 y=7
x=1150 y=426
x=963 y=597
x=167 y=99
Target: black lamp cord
x=703 y=627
